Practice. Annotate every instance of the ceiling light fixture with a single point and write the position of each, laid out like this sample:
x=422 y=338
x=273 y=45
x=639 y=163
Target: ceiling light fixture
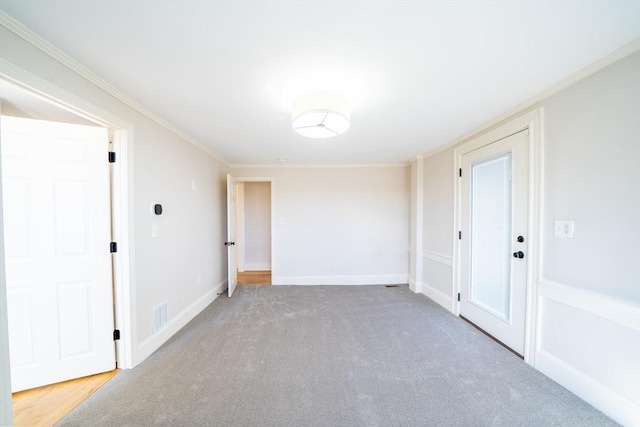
x=320 y=114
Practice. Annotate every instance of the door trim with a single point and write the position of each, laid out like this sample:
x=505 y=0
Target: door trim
x=531 y=121
x=122 y=199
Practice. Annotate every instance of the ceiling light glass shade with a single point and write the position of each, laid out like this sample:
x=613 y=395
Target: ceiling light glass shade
x=320 y=114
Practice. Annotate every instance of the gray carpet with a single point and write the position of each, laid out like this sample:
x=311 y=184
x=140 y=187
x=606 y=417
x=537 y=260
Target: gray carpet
x=332 y=356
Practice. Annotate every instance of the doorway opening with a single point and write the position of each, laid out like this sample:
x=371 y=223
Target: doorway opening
x=253 y=232
x=25 y=95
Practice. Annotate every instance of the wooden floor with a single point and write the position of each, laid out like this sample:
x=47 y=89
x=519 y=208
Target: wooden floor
x=254 y=278
x=45 y=406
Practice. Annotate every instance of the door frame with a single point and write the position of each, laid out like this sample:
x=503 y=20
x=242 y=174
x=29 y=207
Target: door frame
x=121 y=199
x=6 y=407
x=271 y=181
x=531 y=121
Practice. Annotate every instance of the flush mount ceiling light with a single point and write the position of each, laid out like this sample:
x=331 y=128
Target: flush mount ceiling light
x=320 y=114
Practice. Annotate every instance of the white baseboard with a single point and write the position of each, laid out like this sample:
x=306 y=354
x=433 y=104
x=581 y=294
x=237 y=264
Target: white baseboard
x=257 y=266
x=437 y=296
x=147 y=347
x=381 y=279
x=609 y=402
x=415 y=286
x=584 y=365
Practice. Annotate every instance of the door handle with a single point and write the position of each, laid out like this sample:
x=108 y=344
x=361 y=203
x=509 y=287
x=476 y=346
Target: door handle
x=229 y=243
x=518 y=254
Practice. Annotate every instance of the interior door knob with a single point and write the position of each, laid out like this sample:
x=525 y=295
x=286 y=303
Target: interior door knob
x=518 y=254
x=229 y=243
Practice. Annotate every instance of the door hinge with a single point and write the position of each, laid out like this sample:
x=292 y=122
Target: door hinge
x=113 y=247
x=459 y=235
x=112 y=156
x=116 y=334
x=458 y=296
x=460 y=172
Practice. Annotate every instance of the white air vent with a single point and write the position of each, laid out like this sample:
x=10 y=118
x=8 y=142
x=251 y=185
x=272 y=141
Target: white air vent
x=159 y=317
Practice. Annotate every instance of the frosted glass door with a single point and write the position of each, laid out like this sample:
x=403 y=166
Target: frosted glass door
x=490 y=275
x=494 y=194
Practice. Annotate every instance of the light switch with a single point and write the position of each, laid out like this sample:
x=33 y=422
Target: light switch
x=563 y=228
x=193 y=184
x=155 y=230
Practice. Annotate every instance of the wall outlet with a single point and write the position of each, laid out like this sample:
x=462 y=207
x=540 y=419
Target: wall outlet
x=563 y=228
x=198 y=281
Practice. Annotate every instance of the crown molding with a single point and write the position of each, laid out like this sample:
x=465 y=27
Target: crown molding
x=536 y=100
x=30 y=37
x=322 y=166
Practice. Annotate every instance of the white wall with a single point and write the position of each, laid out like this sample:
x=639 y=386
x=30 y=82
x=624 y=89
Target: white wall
x=588 y=287
x=192 y=229
x=257 y=229
x=592 y=176
x=165 y=168
x=240 y=237
x=338 y=225
x=437 y=235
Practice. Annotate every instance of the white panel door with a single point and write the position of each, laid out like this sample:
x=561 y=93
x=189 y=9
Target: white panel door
x=494 y=221
x=232 y=267
x=57 y=228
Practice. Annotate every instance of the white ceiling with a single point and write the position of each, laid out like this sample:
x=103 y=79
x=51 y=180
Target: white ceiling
x=418 y=74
